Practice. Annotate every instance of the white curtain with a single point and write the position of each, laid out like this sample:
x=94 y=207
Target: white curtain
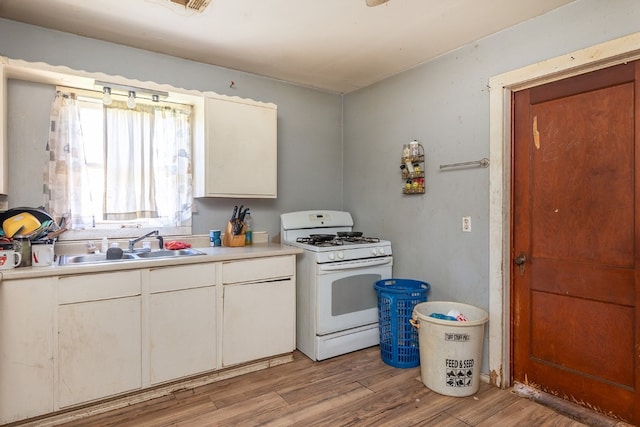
x=173 y=180
x=129 y=163
x=67 y=191
x=147 y=164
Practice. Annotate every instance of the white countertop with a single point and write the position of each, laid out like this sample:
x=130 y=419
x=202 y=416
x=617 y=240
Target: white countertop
x=212 y=254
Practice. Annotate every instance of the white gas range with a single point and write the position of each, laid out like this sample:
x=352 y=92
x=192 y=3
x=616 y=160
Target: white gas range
x=337 y=308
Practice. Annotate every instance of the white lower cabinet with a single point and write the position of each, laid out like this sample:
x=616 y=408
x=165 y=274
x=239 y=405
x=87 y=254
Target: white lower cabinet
x=26 y=348
x=99 y=336
x=258 y=309
x=72 y=340
x=182 y=321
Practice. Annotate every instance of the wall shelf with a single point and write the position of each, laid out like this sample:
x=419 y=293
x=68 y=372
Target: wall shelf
x=412 y=168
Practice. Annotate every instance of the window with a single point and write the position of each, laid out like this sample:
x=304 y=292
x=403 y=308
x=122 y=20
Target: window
x=115 y=167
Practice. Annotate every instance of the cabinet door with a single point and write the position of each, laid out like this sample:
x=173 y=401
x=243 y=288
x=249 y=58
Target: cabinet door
x=240 y=148
x=99 y=336
x=182 y=321
x=259 y=320
x=26 y=348
x=99 y=349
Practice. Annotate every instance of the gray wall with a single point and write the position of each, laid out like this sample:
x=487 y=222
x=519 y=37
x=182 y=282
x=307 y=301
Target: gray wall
x=309 y=121
x=444 y=104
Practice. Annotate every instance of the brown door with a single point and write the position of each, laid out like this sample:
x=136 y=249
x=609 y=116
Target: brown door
x=576 y=245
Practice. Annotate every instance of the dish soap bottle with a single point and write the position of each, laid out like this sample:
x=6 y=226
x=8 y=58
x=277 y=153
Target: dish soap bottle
x=248 y=229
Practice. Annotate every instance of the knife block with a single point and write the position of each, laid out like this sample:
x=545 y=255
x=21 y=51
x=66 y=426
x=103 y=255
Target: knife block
x=229 y=239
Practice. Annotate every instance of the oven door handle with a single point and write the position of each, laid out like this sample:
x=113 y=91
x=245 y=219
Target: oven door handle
x=347 y=265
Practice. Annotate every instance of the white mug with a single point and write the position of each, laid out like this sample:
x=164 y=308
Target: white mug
x=41 y=255
x=9 y=259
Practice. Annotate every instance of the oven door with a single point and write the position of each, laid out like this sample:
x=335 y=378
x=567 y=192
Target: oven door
x=346 y=295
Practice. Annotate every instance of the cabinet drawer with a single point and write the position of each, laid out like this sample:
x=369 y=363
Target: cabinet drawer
x=93 y=287
x=182 y=277
x=258 y=269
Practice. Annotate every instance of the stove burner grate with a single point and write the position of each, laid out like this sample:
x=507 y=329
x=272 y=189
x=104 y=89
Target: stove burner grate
x=315 y=241
x=336 y=241
x=359 y=239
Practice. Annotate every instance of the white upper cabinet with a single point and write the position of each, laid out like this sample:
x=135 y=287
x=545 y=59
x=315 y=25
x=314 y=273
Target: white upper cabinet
x=240 y=156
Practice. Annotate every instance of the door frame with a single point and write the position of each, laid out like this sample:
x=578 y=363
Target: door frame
x=501 y=86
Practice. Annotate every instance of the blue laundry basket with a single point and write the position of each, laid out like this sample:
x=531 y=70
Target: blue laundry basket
x=399 y=344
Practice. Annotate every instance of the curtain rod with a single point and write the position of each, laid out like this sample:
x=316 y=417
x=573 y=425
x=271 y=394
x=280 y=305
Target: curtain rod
x=131 y=88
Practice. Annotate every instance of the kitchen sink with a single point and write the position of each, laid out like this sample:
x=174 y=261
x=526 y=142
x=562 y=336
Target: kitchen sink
x=166 y=253
x=126 y=256
x=92 y=259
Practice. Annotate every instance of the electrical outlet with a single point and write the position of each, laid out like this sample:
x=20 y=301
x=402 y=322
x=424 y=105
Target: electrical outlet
x=466 y=224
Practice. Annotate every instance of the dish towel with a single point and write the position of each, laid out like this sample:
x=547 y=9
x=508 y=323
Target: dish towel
x=176 y=244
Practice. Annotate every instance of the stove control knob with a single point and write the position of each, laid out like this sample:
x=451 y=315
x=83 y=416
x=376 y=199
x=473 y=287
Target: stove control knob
x=381 y=251
x=340 y=255
x=332 y=256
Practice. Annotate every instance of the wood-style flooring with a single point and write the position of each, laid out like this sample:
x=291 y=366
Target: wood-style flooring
x=356 y=389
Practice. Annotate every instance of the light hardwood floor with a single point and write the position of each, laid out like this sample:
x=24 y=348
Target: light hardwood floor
x=357 y=389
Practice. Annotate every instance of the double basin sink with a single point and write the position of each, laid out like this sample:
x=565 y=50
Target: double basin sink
x=127 y=256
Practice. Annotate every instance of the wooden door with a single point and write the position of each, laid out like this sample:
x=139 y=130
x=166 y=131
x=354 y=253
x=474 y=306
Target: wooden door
x=576 y=222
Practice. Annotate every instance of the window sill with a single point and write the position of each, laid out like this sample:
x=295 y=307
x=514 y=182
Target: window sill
x=121 y=233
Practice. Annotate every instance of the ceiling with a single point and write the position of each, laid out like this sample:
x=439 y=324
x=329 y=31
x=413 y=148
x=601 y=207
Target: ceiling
x=334 y=45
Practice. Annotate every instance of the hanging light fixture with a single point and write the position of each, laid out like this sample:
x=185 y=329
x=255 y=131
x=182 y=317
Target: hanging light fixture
x=131 y=99
x=112 y=91
x=372 y=3
x=106 y=98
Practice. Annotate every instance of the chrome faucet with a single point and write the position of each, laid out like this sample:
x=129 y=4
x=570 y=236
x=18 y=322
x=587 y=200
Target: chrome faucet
x=132 y=242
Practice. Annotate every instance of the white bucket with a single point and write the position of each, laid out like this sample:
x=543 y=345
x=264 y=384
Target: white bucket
x=450 y=351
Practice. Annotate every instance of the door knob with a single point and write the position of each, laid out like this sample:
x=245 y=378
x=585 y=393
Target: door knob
x=519 y=261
